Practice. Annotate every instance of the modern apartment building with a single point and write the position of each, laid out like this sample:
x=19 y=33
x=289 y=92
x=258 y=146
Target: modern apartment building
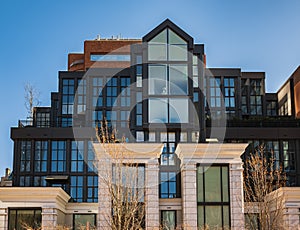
x=187 y=125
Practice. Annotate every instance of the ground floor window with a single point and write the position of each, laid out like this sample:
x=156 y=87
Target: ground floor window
x=20 y=219
x=84 y=221
x=168 y=220
x=213 y=197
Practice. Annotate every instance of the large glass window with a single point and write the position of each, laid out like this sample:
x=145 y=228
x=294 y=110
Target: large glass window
x=229 y=94
x=168 y=185
x=130 y=180
x=271 y=108
x=97 y=92
x=244 y=84
x=158 y=110
x=91 y=158
x=111 y=91
x=255 y=97
x=167 y=46
x=213 y=197
x=25 y=156
x=168 y=79
x=215 y=92
x=289 y=156
x=76 y=187
x=158 y=81
x=68 y=92
x=92 y=189
x=58 y=156
x=84 y=221
x=81 y=96
x=125 y=91
x=40 y=156
x=163 y=110
x=77 y=156
x=18 y=218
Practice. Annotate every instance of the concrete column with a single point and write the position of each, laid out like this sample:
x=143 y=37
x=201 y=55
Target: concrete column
x=104 y=199
x=3 y=218
x=291 y=218
x=236 y=196
x=151 y=195
x=189 y=195
x=49 y=217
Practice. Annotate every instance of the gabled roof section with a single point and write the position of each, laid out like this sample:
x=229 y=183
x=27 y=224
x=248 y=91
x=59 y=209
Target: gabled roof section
x=169 y=24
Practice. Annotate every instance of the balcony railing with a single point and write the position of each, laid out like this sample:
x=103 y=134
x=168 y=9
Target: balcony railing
x=25 y=123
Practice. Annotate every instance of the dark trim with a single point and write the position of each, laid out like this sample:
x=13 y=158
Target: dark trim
x=169 y=24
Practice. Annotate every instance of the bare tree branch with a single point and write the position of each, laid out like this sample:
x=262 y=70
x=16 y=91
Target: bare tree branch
x=31 y=97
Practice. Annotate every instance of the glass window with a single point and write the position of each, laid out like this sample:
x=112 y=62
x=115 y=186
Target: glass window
x=178 y=110
x=178 y=79
x=183 y=137
x=124 y=119
x=97 y=92
x=68 y=91
x=97 y=118
x=81 y=96
x=76 y=188
x=39 y=181
x=58 y=156
x=110 y=57
x=66 y=122
x=40 y=156
x=215 y=92
x=168 y=185
x=111 y=91
x=157 y=47
x=132 y=177
x=42 y=119
x=158 y=110
x=229 y=92
x=157 y=79
x=77 y=156
x=213 y=196
x=91 y=158
x=25 y=156
x=167 y=46
x=20 y=217
x=111 y=118
x=152 y=136
x=168 y=219
x=92 y=189
x=125 y=91
x=140 y=136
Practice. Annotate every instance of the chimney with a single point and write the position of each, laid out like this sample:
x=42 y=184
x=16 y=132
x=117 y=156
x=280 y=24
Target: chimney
x=7 y=172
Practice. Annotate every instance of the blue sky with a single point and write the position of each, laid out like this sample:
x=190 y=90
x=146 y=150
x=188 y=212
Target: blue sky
x=37 y=35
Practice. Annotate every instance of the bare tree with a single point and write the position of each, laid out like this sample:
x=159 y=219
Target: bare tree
x=123 y=181
x=31 y=98
x=262 y=176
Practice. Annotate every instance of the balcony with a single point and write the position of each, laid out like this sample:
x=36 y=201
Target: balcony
x=25 y=123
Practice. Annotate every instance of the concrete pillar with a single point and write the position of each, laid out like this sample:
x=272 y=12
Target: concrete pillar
x=291 y=218
x=49 y=217
x=3 y=218
x=104 y=196
x=236 y=196
x=189 y=195
x=151 y=195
